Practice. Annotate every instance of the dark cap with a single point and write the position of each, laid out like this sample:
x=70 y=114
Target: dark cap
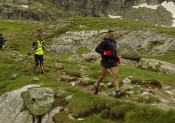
x=109 y=31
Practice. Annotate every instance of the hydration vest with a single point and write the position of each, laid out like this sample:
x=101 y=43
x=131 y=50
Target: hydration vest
x=39 y=48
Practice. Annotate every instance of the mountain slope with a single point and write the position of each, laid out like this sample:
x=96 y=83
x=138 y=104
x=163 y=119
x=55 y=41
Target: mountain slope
x=40 y=10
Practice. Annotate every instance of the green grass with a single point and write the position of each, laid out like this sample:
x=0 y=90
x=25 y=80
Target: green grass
x=83 y=104
x=82 y=50
x=168 y=57
x=64 y=56
x=155 y=43
x=108 y=23
x=72 y=69
x=14 y=27
x=86 y=106
x=125 y=71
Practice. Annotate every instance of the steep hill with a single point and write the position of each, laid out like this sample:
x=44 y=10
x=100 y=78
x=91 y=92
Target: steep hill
x=41 y=10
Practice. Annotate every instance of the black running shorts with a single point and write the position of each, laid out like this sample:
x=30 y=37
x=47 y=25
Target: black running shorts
x=109 y=64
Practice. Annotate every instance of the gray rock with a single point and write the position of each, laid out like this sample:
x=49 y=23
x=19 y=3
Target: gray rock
x=24 y=117
x=39 y=101
x=62 y=44
x=48 y=118
x=67 y=110
x=87 y=81
x=146 y=95
x=90 y=57
x=35 y=79
x=11 y=105
x=13 y=76
x=68 y=98
x=110 y=85
x=59 y=66
x=152 y=65
x=71 y=117
x=126 y=81
x=128 y=52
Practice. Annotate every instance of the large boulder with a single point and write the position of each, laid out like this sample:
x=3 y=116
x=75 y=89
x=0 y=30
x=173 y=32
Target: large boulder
x=11 y=105
x=39 y=101
x=128 y=52
x=90 y=57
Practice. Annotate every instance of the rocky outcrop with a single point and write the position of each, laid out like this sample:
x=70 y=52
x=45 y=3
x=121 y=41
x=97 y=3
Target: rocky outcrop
x=39 y=101
x=128 y=52
x=148 y=41
x=152 y=65
x=11 y=105
x=129 y=42
x=89 y=57
x=47 y=118
x=71 y=41
x=36 y=10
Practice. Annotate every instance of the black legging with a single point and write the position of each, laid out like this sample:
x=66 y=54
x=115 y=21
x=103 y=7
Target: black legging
x=38 y=60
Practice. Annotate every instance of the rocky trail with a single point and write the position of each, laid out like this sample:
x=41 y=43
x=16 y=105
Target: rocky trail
x=149 y=92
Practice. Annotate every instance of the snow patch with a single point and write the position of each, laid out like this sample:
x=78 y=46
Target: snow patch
x=115 y=17
x=170 y=6
x=146 y=5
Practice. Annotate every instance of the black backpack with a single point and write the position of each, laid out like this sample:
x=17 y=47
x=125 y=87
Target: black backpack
x=34 y=44
x=1 y=40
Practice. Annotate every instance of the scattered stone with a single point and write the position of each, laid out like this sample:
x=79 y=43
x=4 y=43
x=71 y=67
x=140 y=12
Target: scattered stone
x=130 y=93
x=59 y=66
x=71 y=117
x=73 y=83
x=80 y=119
x=39 y=101
x=67 y=110
x=126 y=81
x=87 y=81
x=68 y=98
x=67 y=78
x=13 y=76
x=148 y=97
x=110 y=85
x=35 y=79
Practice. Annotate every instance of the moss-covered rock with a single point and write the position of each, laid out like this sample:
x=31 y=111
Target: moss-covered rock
x=39 y=101
x=128 y=52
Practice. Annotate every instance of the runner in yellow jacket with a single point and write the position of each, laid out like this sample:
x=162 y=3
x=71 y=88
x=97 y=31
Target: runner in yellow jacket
x=38 y=54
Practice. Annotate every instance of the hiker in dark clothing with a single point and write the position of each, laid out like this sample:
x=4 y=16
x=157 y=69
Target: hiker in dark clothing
x=110 y=59
x=2 y=41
